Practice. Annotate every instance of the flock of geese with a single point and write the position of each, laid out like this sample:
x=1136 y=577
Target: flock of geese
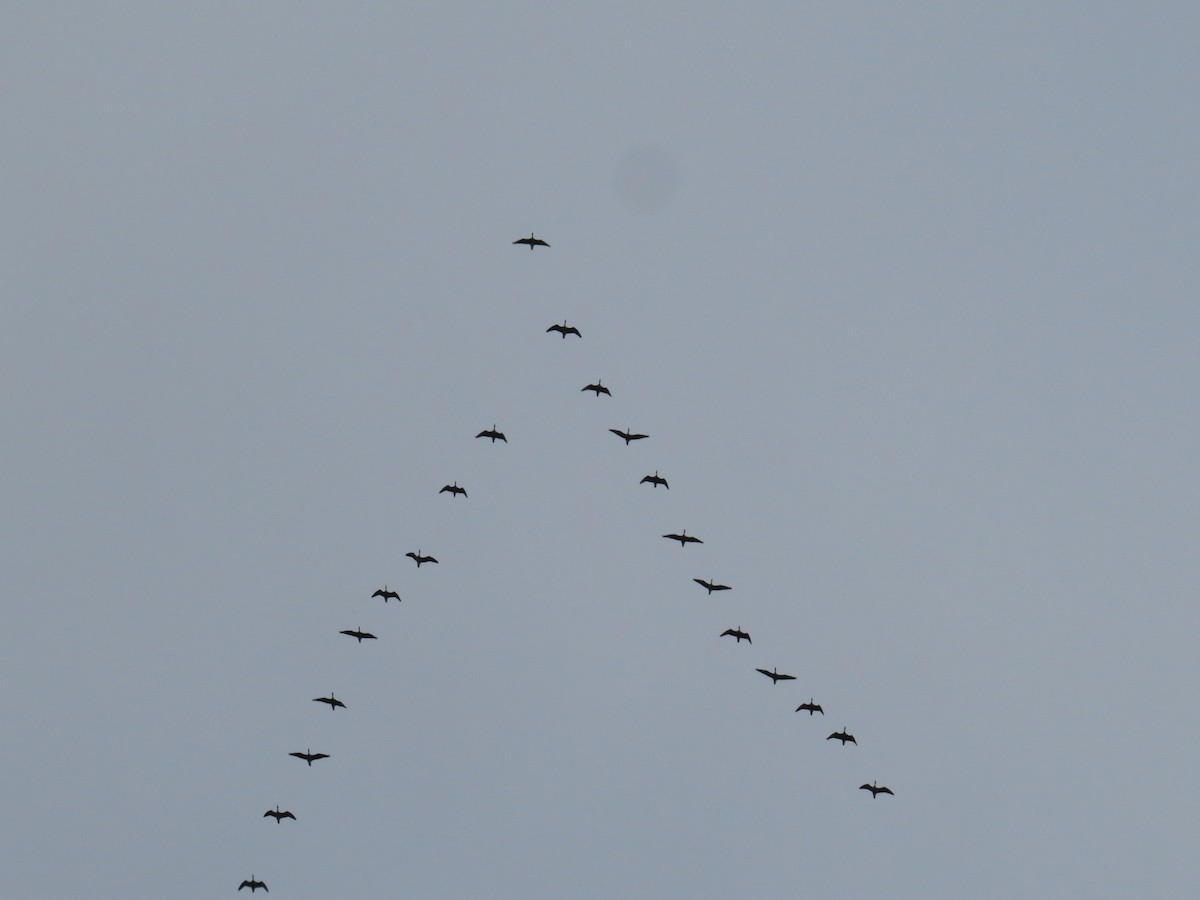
x=454 y=490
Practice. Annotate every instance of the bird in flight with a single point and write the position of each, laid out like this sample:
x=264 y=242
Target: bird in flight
x=253 y=885
x=277 y=815
x=655 y=480
x=493 y=434
x=419 y=558
x=333 y=701
x=308 y=756
x=684 y=538
x=711 y=587
x=812 y=708
x=386 y=595
x=775 y=676
x=531 y=241
x=598 y=388
x=628 y=435
x=842 y=736
x=739 y=634
x=876 y=791
x=564 y=329
x=360 y=634
x=454 y=489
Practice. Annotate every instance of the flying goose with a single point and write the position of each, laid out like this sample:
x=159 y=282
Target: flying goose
x=308 y=756
x=253 y=885
x=360 y=634
x=333 y=701
x=684 y=538
x=842 y=736
x=454 y=489
x=493 y=434
x=277 y=815
x=628 y=435
x=812 y=708
x=775 y=676
x=531 y=241
x=711 y=587
x=655 y=480
x=564 y=329
x=876 y=791
x=739 y=634
x=386 y=594
x=419 y=558
x=598 y=388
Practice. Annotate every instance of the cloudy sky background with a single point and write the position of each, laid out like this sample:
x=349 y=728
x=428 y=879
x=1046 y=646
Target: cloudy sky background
x=904 y=295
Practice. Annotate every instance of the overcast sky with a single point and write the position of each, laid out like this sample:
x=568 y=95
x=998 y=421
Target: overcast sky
x=903 y=294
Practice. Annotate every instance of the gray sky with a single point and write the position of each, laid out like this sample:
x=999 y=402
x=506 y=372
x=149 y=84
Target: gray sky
x=904 y=295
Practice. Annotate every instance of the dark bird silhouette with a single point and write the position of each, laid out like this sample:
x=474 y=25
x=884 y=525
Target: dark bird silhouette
x=308 y=756
x=277 y=815
x=739 y=634
x=842 y=736
x=876 y=791
x=775 y=676
x=454 y=489
x=333 y=701
x=564 y=329
x=598 y=388
x=386 y=594
x=655 y=480
x=628 y=435
x=419 y=558
x=360 y=634
x=712 y=587
x=253 y=885
x=811 y=707
x=531 y=241
x=493 y=434
x=684 y=538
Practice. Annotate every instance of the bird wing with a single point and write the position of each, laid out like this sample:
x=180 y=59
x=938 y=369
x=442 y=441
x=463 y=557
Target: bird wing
x=786 y=677
x=286 y=814
x=378 y=593
x=694 y=540
x=885 y=790
x=320 y=755
x=539 y=241
x=445 y=488
x=866 y=787
x=765 y=672
x=297 y=753
x=620 y=433
x=430 y=559
x=703 y=583
x=554 y=328
x=732 y=633
x=523 y=241
x=269 y=812
x=366 y=634
x=720 y=587
x=572 y=330
x=638 y=437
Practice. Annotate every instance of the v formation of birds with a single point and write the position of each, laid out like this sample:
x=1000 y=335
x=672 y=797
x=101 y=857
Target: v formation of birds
x=454 y=489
